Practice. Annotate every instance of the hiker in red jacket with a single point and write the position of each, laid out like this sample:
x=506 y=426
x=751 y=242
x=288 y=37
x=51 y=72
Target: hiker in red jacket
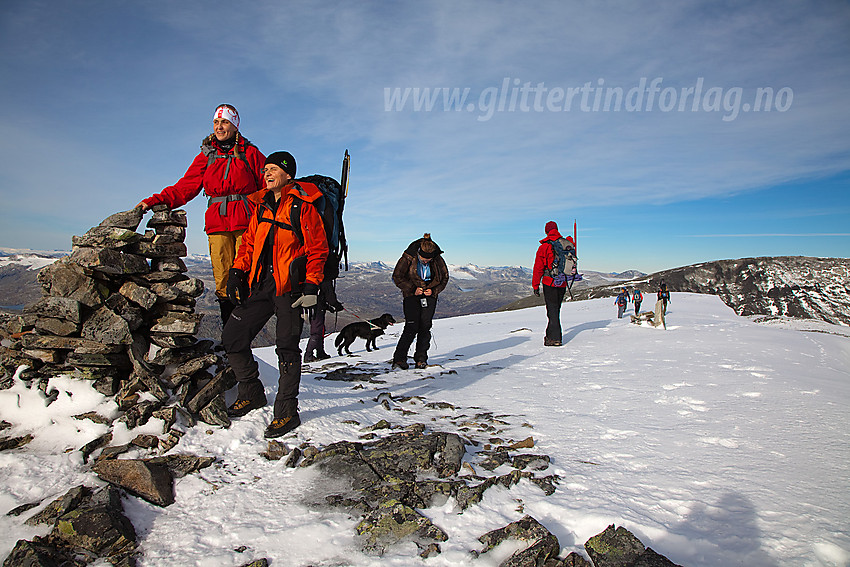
x=229 y=169
x=554 y=285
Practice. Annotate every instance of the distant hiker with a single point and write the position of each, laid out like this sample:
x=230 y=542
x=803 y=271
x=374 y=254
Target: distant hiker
x=554 y=261
x=637 y=297
x=421 y=274
x=663 y=295
x=621 y=301
x=275 y=274
x=229 y=170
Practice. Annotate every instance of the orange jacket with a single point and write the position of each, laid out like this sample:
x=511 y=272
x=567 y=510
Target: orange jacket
x=293 y=262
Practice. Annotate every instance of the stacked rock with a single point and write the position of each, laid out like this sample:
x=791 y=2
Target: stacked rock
x=120 y=311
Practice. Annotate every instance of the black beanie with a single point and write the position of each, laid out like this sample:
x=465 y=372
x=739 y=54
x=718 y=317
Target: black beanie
x=283 y=160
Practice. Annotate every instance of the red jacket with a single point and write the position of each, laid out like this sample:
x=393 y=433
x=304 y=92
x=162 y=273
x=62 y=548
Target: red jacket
x=544 y=258
x=311 y=255
x=225 y=176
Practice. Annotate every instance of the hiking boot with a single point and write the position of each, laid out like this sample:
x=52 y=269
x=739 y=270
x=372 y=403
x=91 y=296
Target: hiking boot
x=310 y=357
x=420 y=365
x=402 y=364
x=551 y=342
x=242 y=407
x=281 y=426
x=322 y=355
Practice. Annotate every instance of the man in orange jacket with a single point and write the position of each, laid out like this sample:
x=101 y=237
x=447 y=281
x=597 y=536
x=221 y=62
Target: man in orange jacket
x=277 y=271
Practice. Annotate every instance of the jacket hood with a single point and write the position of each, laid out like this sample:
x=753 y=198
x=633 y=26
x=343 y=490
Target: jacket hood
x=554 y=234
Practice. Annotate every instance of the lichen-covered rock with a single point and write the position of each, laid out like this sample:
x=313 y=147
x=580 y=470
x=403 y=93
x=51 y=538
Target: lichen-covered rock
x=112 y=237
x=215 y=413
x=220 y=383
x=108 y=327
x=182 y=464
x=64 y=278
x=393 y=522
x=110 y=262
x=39 y=553
x=56 y=307
x=618 y=547
x=543 y=545
x=65 y=503
x=129 y=220
x=160 y=250
x=77 y=344
x=139 y=295
x=163 y=216
x=98 y=525
x=178 y=323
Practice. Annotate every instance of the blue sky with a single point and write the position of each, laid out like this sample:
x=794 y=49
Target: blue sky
x=637 y=119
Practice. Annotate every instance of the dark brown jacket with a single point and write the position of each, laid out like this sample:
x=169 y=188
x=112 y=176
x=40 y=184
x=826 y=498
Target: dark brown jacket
x=407 y=279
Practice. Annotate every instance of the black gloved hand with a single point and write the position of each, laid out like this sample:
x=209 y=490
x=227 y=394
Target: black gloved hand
x=537 y=291
x=237 y=286
x=328 y=297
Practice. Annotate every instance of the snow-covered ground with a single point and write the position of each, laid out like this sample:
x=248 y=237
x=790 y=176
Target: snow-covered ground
x=719 y=441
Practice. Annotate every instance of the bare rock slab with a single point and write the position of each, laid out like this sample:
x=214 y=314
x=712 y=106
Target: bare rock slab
x=149 y=481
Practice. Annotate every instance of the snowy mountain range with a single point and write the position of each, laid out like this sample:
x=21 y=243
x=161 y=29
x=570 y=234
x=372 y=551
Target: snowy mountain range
x=785 y=286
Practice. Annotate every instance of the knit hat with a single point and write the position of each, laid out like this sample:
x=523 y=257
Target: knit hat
x=283 y=160
x=550 y=226
x=228 y=113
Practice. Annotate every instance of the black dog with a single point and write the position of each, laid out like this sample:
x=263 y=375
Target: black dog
x=365 y=330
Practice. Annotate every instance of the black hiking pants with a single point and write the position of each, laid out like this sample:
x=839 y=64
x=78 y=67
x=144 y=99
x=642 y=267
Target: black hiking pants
x=417 y=325
x=246 y=321
x=553 y=296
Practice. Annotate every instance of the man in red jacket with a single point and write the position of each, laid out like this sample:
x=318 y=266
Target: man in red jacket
x=554 y=286
x=229 y=170
x=277 y=272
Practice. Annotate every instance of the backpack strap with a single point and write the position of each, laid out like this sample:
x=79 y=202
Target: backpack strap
x=294 y=218
x=209 y=150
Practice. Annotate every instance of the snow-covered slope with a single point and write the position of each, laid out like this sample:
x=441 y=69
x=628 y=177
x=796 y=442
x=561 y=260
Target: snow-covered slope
x=717 y=442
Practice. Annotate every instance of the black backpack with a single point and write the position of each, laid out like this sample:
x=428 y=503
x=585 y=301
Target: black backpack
x=330 y=206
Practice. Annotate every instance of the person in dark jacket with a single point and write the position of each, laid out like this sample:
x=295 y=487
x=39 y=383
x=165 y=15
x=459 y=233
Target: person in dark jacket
x=553 y=291
x=664 y=295
x=275 y=273
x=637 y=297
x=229 y=169
x=622 y=301
x=421 y=274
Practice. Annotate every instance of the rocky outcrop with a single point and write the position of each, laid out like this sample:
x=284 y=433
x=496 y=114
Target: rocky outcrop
x=784 y=286
x=614 y=547
x=86 y=526
x=119 y=311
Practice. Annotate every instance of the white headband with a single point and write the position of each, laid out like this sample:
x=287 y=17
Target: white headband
x=228 y=114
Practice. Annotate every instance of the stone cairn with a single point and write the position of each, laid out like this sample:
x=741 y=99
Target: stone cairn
x=119 y=311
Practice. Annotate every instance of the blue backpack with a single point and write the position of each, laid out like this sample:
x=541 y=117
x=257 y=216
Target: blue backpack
x=563 y=266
